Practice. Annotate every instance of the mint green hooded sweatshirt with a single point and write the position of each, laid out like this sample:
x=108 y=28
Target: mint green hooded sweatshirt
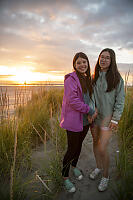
x=110 y=105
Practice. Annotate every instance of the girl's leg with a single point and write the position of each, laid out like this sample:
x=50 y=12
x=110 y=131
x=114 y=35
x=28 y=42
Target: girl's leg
x=105 y=134
x=82 y=136
x=95 y=131
x=73 y=139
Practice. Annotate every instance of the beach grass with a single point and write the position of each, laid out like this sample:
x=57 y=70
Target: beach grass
x=124 y=186
x=32 y=125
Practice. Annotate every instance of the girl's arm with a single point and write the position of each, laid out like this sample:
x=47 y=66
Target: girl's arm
x=119 y=102
x=73 y=99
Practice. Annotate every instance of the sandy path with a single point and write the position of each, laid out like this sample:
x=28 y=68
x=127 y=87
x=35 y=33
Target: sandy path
x=86 y=188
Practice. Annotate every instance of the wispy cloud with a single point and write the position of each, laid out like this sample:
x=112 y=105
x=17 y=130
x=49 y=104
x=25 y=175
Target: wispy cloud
x=46 y=34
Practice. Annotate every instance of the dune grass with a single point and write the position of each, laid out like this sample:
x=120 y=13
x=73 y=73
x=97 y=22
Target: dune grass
x=31 y=126
x=124 y=186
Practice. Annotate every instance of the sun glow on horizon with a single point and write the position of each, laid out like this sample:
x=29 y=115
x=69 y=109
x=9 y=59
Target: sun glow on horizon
x=25 y=76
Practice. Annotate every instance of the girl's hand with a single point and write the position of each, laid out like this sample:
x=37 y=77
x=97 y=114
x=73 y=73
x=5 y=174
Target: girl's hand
x=95 y=114
x=113 y=126
x=90 y=119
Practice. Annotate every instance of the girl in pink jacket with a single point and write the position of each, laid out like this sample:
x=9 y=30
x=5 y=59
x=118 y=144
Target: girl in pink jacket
x=76 y=111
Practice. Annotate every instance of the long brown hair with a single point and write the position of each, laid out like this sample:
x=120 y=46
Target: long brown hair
x=112 y=74
x=85 y=81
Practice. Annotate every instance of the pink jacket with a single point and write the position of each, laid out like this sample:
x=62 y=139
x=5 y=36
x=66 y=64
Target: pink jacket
x=73 y=106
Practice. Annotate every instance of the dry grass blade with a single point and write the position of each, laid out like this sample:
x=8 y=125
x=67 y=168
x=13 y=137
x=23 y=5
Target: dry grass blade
x=38 y=133
x=46 y=134
x=11 y=184
x=14 y=160
x=37 y=176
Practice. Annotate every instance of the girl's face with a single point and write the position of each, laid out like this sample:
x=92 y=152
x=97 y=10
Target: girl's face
x=81 y=65
x=104 y=60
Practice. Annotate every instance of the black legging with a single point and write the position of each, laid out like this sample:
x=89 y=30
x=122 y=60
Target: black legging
x=71 y=157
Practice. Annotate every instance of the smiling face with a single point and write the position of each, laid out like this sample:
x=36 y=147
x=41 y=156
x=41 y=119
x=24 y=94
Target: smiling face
x=81 y=65
x=104 y=60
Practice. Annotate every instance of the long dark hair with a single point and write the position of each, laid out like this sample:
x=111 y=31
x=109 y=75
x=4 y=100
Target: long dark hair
x=85 y=81
x=112 y=74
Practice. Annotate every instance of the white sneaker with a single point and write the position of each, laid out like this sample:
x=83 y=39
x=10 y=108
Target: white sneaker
x=95 y=173
x=103 y=184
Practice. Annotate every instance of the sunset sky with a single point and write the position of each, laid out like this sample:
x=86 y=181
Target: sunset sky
x=39 y=38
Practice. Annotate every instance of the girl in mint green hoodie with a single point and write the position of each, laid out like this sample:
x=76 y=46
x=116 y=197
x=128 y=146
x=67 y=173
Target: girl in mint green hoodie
x=109 y=98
